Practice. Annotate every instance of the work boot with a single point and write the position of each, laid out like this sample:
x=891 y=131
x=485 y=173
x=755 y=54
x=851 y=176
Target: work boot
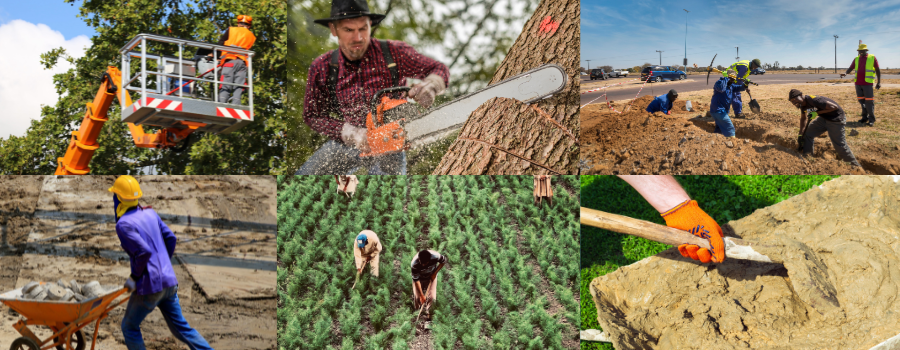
x=863 y=120
x=871 y=124
x=741 y=116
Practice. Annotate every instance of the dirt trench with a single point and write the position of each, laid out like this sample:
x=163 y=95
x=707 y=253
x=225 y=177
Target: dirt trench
x=853 y=226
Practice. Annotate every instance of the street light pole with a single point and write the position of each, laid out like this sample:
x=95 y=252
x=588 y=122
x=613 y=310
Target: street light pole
x=589 y=64
x=685 y=36
x=660 y=57
x=835 y=53
x=738 y=53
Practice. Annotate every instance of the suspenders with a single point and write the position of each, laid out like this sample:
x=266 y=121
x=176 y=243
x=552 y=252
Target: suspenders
x=332 y=77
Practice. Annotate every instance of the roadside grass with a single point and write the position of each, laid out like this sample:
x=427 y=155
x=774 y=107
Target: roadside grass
x=725 y=198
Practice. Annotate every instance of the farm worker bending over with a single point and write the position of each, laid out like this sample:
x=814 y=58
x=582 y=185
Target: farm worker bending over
x=368 y=248
x=150 y=245
x=825 y=115
x=667 y=196
x=425 y=267
x=346 y=184
x=663 y=103
x=866 y=66
x=234 y=66
x=342 y=83
x=742 y=71
x=723 y=91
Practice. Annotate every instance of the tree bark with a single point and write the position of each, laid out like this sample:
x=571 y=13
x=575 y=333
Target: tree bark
x=505 y=136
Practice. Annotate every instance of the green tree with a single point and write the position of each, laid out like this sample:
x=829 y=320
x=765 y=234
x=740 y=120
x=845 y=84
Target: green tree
x=255 y=149
x=442 y=26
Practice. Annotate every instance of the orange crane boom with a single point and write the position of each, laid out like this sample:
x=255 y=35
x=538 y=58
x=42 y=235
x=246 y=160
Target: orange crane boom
x=84 y=141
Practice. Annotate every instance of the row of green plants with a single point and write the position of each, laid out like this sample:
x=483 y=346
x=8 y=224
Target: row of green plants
x=509 y=260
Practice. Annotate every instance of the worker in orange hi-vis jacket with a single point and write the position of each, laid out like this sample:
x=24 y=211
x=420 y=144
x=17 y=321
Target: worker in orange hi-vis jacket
x=234 y=66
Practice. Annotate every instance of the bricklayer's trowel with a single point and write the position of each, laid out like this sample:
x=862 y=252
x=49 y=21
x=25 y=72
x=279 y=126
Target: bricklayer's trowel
x=808 y=275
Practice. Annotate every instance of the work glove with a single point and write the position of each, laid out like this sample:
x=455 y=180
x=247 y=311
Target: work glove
x=130 y=284
x=689 y=217
x=425 y=91
x=355 y=136
x=878 y=86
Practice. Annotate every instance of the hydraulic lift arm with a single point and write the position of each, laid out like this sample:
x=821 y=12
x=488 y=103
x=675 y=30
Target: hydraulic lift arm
x=84 y=141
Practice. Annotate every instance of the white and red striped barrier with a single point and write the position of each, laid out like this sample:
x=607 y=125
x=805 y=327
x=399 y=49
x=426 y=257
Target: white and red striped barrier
x=159 y=103
x=233 y=113
x=598 y=89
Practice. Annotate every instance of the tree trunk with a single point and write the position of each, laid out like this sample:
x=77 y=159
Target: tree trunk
x=505 y=136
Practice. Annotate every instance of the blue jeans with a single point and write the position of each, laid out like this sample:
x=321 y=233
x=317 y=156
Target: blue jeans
x=335 y=158
x=723 y=124
x=139 y=306
x=736 y=103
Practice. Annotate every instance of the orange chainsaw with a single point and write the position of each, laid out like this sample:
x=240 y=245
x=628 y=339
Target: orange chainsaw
x=393 y=125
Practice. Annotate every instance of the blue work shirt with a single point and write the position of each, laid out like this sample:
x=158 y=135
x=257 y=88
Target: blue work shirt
x=150 y=245
x=660 y=104
x=722 y=95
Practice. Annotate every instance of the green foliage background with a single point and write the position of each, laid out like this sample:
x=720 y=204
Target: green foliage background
x=420 y=24
x=725 y=198
x=255 y=149
x=500 y=246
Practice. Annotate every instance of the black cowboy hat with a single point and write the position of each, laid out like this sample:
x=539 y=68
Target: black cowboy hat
x=343 y=9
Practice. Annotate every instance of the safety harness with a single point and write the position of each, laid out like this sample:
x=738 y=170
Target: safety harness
x=332 y=77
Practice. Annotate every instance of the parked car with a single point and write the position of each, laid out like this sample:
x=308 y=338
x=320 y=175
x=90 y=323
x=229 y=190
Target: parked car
x=619 y=73
x=599 y=74
x=758 y=71
x=661 y=73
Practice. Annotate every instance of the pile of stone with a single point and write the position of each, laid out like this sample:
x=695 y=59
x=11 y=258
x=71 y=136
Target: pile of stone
x=62 y=291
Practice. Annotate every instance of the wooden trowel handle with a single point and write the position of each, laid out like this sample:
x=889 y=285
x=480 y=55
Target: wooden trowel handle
x=640 y=228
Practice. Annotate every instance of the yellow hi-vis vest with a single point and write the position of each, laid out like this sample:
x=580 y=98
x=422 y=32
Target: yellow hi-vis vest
x=870 y=68
x=733 y=67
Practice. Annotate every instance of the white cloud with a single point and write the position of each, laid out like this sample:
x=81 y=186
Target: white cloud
x=24 y=84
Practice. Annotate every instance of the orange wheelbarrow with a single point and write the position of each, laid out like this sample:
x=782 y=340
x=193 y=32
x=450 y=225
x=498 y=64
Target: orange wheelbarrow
x=65 y=319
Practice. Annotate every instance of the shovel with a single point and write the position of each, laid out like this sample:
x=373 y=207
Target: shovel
x=806 y=272
x=754 y=106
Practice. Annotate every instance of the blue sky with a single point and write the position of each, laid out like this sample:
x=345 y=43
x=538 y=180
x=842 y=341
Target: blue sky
x=627 y=34
x=55 y=14
x=29 y=28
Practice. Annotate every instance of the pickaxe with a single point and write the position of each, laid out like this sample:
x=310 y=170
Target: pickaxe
x=709 y=69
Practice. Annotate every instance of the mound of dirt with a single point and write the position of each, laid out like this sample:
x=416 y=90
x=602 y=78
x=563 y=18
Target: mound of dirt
x=852 y=223
x=635 y=142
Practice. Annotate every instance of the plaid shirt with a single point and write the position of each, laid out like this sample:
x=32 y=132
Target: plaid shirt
x=358 y=81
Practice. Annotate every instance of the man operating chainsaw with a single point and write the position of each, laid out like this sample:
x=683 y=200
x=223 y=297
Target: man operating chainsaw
x=667 y=196
x=342 y=83
x=150 y=245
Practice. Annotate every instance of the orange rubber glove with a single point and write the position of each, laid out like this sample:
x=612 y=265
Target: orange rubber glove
x=689 y=217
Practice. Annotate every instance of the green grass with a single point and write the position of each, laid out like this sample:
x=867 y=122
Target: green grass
x=725 y=198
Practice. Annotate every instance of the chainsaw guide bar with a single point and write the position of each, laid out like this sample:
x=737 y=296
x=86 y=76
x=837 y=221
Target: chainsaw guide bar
x=528 y=87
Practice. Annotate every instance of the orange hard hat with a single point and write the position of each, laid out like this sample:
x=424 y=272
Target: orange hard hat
x=245 y=19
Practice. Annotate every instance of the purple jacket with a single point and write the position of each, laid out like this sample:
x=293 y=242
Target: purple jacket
x=150 y=244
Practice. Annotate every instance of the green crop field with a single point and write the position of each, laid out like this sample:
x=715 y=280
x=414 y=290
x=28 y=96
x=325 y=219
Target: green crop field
x=511 y=281
x=725 y=198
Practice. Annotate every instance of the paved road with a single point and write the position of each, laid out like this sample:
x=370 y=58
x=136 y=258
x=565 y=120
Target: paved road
x=699 y=83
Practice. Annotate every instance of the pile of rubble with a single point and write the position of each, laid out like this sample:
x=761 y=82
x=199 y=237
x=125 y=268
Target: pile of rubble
x=62 y=291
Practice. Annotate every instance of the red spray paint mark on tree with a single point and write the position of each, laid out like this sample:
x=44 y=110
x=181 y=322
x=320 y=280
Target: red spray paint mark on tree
x=548 y=26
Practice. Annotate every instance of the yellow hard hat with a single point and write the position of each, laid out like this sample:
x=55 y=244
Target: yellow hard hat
x=127 y=188
x=862 y=47
x=245 y=19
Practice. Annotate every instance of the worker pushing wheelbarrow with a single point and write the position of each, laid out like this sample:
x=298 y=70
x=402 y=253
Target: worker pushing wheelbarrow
x=64 y=318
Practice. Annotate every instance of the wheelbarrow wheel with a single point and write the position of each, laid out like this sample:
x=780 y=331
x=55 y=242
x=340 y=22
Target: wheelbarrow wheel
x=24 y=343
x=77 y=342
